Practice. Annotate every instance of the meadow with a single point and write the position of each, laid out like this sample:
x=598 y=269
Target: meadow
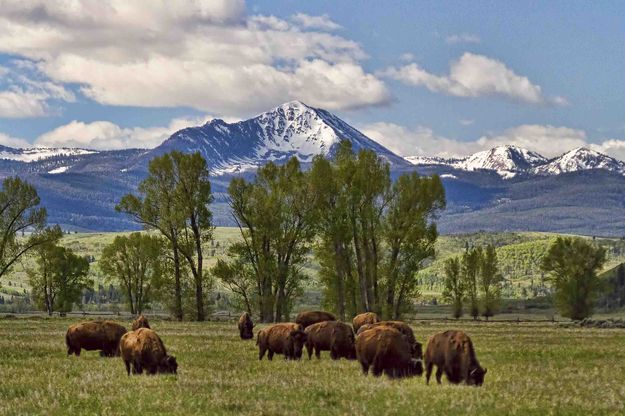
x=533 y=369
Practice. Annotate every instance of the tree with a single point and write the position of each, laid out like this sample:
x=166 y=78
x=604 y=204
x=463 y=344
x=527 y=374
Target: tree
x=490 y=282
x=60 y=276
x=19 y=212
x=471 y=262
x=274 y=216
x=135 y=262
x=572 y=264
x=410 y=235
x=453 y=291
x=239 y=278
x=175 y=199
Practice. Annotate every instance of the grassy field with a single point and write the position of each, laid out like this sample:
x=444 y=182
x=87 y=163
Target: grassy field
x=532 y=369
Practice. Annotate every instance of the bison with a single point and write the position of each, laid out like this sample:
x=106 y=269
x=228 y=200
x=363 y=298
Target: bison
x=334 y=336
x=246 y=326
x=364 y=319
x=453 y=354
x=94 y=335
x=140 y=322
x=312 y=317
x=143 y=349
x=284 y=338
x=404 y=328
x=388 y=351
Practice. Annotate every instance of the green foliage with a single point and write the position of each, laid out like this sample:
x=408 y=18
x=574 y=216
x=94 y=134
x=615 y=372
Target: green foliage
x=135 y=262
x=471 y=263
x=60 y=276
x=573 y=264
x=274 y=214
x=490 y=282
x=19 y=212
x=454 y=285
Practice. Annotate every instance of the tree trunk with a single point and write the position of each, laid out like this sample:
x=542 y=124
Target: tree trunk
x=362 y=279
x=339 y=261
x=177 y=283
x=199 y=287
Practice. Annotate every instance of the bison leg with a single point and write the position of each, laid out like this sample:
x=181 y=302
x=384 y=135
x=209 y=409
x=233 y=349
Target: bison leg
x=428 y=372
x=318 y=353
x=270 y=355
x=127 y=363
x=261 y=352
x=365 y=368
x=439 y=374
x=309 y=350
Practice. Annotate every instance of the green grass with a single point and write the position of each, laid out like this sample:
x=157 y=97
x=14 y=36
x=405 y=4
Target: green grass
x=532 y=369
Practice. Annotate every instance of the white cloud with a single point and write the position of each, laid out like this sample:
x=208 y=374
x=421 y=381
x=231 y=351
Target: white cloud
x=462 y=38
x=6 y=140
x=104 y=135
x=550 y=141
x=315 y=22
x=474 y=76
x=407 y=57
x=209 y=55
x=466 y=122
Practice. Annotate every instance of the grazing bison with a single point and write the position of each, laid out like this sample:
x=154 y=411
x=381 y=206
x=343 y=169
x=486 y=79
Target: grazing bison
x=364 y=319
x=284 y=338
x=312 y=317
x=94 y=335
x=404 y=328
x=140 y=322
x=334 y=336
x=246 y=326
x=388 y=351
x=143 y=349
x=453 y=354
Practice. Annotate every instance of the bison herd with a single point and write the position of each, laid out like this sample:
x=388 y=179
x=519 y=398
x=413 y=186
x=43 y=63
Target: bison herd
x=382 y=347
x=141 y=349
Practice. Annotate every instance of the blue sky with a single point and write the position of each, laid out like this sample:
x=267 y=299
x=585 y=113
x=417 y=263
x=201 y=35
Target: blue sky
x=444 y=78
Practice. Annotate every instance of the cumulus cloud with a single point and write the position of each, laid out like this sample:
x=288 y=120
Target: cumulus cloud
x=6 y=140
x=104 y=135
x=209 y=55
x=474 y=76
x=315 y=22
x=550 y=141
x=462 y=38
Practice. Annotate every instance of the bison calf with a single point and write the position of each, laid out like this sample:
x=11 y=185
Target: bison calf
x=334 y=336
x=143 y=349
x=93 y=336
x=364 y=319
x=284 y=338
x=246 y=326
x=388 y=351
x=312 y=317
x=140 y=322
x=453 y=354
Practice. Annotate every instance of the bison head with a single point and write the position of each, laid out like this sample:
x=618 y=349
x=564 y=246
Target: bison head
x=476 y=376
x=295 y=343
x=417 y=351
x=246 y=332
x=168 y=365
x=416 y=366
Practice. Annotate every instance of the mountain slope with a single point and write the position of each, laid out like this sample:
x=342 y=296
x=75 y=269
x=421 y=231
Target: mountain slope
x=580 y=159
x=292 y=129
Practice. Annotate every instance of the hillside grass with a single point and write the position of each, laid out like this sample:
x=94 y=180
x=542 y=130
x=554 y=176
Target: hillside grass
x=532 y=370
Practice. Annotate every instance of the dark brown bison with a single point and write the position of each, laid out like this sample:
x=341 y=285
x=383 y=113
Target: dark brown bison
x=143 y=350
x=364 y=319
x=453 y=354
x=334 y=336
x=94 y=335
x=312 y=317
x=404 y=328
x=388 y=351
x=284 y=338
x=246 y=326
x=140 y=322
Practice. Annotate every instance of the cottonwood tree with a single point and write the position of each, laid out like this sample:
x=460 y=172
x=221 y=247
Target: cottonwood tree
x=490 y=282
x=136 y=263
x=174 y=200
x=60 y=275
x=453 y=291
x=274 y=216
x=238 y=276
x=572 y=264
x=19 y=212
x=471 y=262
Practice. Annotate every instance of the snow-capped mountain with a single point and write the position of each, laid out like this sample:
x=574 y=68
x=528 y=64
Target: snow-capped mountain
x=578 y=159
x=291 y=129
x=34 y=154
x=509 y=161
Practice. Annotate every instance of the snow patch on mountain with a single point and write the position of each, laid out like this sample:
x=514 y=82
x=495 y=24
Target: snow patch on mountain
x=35 y=154
x=578 y=159
x=507 y=161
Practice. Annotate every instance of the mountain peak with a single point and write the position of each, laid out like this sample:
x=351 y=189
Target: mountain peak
x=507 y=160
x=580 y=158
